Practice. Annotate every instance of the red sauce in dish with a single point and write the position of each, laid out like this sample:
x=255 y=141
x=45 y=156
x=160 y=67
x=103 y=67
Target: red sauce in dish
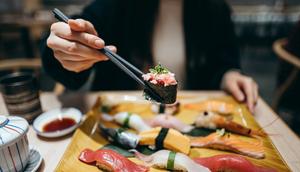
x=59 y=124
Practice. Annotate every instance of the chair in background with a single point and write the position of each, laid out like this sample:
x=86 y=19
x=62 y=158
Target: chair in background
x=28 y=65
x=284 y=55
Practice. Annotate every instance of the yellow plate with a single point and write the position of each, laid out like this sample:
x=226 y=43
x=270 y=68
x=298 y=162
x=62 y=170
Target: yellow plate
x=87 y=135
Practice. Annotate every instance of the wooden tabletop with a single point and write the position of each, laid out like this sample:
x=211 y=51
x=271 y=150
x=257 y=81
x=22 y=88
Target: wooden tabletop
x=285 y=140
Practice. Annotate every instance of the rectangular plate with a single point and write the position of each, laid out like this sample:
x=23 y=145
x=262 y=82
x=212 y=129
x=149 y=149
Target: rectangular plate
x=87 y=135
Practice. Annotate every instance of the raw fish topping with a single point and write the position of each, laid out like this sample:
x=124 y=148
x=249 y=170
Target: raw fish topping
x=161 y=76
x=110 y=161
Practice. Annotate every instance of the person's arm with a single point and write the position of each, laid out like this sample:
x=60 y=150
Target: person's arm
x=227 y=47
x=243 y=88
x=72 y=66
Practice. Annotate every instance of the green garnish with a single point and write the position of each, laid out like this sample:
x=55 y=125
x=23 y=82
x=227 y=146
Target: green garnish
x=159 y=69
x=221 y=132
x=105 y=108
x=126 y=121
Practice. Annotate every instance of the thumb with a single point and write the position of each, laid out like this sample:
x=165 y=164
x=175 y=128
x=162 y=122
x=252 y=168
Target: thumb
x=81 y=25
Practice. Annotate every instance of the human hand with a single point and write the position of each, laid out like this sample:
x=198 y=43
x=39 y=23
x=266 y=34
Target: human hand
x=243 y=88
x=75 y=44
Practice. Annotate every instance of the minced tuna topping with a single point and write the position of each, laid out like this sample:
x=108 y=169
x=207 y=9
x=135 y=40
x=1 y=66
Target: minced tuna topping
x=160 y=75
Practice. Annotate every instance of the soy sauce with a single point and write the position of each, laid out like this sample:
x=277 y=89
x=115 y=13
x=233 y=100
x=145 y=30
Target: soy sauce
x=59 y=124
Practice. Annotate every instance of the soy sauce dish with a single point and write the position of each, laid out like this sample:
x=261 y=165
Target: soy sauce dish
x=57 y=122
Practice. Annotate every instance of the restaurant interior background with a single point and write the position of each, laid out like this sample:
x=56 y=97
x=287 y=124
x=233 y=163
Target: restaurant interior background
x=259 y=23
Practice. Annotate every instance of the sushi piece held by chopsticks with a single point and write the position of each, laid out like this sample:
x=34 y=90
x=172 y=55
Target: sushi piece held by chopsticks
x=163 y=82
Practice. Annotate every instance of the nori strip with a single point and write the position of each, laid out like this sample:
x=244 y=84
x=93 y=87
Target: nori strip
x=159 y=140
x=168 y=93
x=162 y=108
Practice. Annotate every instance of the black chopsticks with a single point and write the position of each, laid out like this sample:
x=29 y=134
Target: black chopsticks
x=124 y=65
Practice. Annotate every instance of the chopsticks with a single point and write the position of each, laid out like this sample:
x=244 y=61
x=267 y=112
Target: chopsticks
x=124 y=65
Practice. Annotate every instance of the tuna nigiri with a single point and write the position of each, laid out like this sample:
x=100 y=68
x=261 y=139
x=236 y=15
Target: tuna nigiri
x=229 y=162
x=169 y=160
x=110 y=160
x=230 y=142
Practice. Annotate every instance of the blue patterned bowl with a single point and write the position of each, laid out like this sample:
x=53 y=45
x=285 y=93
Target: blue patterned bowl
x=14 y=149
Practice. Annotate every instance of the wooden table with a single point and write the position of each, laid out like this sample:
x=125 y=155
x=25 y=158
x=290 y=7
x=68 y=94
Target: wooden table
x=286 y=141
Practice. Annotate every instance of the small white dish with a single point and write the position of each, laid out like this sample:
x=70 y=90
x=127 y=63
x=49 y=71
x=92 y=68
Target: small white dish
x=34 y=162
x=49 y=116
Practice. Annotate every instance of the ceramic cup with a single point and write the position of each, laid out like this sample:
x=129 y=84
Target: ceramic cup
x=21 y=95
x=14 y=149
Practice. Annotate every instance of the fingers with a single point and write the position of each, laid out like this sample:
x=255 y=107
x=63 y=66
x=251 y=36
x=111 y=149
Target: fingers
x=76 y=66
x=112 y=48
x=73 y=63
x=237 y=93
x=247 y=86
x=81 y=25
x=243 y=88
x=63 y=30
x=74 y=48
x=255 y=86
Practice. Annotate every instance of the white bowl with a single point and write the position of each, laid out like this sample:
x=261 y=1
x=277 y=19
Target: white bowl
x=14 y=149
x=54 y=114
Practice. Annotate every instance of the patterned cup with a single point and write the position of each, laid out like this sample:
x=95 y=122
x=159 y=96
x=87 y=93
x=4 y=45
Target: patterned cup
x=21 y=95
x=14 y=149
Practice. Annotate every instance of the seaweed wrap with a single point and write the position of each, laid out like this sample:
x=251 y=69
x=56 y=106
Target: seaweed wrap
x=163 y=82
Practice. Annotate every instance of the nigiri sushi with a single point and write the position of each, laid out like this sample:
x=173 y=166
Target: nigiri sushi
x=230 y=162
x=217 y=106
x=212 y=120
x=119 y=136
x=131 y=120
x=110 y=160
x=165 y=138
x=172 y=161
x=163 y=82
x=168 y=121
x=230 y=142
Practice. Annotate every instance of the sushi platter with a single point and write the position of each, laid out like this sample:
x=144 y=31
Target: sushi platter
x=201 y=131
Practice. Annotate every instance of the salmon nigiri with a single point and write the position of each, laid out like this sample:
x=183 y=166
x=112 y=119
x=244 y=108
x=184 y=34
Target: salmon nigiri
x=230 y=142
x=110 y=160
x=217 y=106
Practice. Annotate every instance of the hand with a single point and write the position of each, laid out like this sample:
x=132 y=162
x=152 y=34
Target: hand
x=74 y=44
x=243 y=88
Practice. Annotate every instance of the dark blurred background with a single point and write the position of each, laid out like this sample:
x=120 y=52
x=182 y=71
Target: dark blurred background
x=258 y=24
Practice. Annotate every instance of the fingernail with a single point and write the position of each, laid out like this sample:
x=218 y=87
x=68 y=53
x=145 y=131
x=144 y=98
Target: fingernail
x=99 y=43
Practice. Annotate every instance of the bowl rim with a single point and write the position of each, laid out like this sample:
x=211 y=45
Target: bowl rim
x=17 y=74
x=53 y=134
